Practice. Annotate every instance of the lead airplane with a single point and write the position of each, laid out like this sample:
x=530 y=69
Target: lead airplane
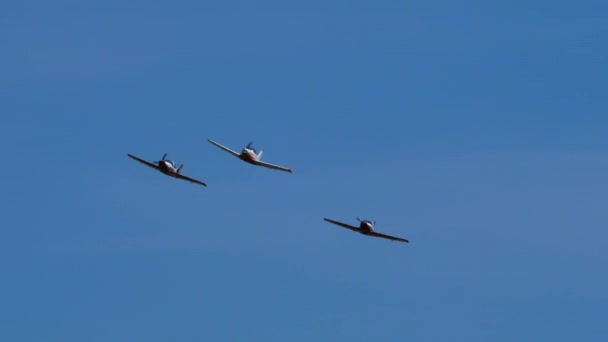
x=251 y=156
x=167 y=167
x=366 y=227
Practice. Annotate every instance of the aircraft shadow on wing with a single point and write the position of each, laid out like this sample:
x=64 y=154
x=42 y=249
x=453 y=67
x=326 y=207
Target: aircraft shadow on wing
x=167 y=167
x=251 y=156
x=366 y=227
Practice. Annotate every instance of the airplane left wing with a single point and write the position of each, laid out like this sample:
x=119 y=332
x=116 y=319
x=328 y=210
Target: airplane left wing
x=271 y=166
x=177 y=175
x=154 y=166
x=224 y=148
x=384 y=236
x=344 y=225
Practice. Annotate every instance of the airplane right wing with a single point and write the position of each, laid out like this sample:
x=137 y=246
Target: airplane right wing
x=224 y=148
x=180 y=176
x=271 y=166
x=344 y=225
x=380 y=235
x=154 y=166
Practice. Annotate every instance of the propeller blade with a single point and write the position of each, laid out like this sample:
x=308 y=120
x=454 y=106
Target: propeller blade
x=164 y=156
x=358 y=219
x=249 y=145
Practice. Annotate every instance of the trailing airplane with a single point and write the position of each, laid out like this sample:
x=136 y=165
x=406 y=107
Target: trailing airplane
x=167 y=167
x=366 y=227
x=251 y=156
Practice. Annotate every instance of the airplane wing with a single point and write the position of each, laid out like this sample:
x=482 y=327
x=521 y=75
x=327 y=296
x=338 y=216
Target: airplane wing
x=224 y=148
x=380 y=235
x=154 y=166
x=344 y=225
x=177 y=175
x=271 y=166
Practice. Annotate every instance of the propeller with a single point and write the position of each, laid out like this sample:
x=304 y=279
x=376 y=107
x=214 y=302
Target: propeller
x=164 y=156
x=249 y=145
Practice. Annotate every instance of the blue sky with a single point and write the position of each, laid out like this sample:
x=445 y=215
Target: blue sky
x=475 y=129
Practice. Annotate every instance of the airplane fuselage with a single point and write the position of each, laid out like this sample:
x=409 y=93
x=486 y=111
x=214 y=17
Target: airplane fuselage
x=166 y=167
x=366 y=227
x=248 y=156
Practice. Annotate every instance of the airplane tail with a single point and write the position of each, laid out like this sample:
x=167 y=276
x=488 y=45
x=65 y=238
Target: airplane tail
x=260 y=154
x=180 y=168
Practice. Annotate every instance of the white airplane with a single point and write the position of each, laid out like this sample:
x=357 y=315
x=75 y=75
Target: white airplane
x=250 y=155
x=366 y=227
x=167 y=167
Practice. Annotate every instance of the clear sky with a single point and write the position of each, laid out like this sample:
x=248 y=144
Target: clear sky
x=476 y=129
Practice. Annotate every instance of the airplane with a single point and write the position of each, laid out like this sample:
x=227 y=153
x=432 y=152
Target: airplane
x=251 y=156
x=167 y=167
x=366 y=227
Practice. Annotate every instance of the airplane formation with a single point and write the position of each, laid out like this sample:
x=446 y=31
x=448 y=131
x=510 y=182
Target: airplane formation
x=250 y=155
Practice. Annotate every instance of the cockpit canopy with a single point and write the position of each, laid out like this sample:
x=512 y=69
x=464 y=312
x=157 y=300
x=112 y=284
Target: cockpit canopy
x=249 y=147
x=171 y=162
x=368 y=222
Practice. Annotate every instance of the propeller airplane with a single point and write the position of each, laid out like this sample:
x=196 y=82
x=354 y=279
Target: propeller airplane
x=251 y=156
x=366 y=227
x=167 y=167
